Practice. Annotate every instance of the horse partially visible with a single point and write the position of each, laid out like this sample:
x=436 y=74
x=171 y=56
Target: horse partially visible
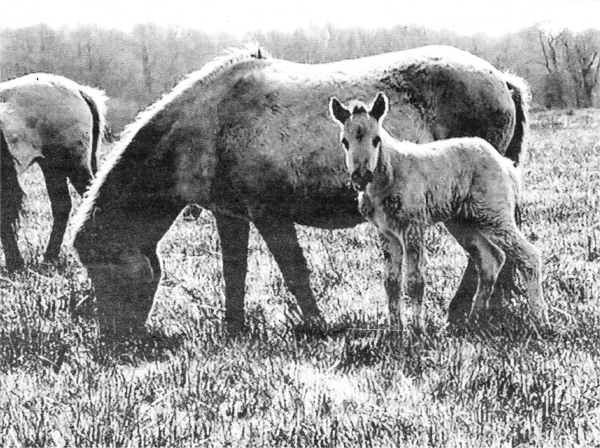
x=405 y=188
x=59 y=124
x=248 y=138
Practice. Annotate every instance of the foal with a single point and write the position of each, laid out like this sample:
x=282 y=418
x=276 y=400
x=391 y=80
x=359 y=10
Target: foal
x=404 y=187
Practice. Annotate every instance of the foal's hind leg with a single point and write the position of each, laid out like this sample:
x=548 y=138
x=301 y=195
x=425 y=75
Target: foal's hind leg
x=60 y=201
x=282 y=241
x=487 y=257
x=11 y=197
x=529 y=262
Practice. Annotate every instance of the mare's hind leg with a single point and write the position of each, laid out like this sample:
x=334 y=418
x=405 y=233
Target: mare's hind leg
x=282 y=241
x=11 y=197
x=528 y=261
x=487 y=258
x=506 y=280
x=462 y=302
x=60 y=201
x=233 y=233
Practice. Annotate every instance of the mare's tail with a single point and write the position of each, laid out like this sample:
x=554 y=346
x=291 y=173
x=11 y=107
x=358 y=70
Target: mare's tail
x=521 y=95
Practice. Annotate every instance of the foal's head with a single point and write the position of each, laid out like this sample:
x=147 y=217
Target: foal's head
x=360 y=128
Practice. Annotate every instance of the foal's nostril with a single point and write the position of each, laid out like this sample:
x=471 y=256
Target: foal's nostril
x=368 y=177
x=356 y=177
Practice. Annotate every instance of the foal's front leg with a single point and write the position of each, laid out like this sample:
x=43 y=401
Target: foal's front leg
x=405 y=298
x=393 y=260
x=415 y=282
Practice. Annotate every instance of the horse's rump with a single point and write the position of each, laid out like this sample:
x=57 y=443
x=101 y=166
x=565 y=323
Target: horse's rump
x=41 y=111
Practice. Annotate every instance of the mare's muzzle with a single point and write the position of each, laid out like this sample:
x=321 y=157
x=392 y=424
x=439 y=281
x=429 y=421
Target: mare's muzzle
x=360 y=181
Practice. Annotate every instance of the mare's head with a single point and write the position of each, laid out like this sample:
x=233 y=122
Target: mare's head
x=360 y=136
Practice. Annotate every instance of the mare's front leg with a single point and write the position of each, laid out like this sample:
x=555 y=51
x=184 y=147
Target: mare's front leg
x=11 y=197
x=233 y=233
x=282 y=241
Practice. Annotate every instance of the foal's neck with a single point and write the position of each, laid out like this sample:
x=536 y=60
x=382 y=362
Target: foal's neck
x=384 y=172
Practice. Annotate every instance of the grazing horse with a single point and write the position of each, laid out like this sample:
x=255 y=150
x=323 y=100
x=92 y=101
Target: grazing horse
x=405 y=187
x=245 y=138
x=59 y=124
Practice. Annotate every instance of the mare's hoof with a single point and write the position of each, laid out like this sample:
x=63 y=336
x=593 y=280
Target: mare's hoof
x=15 y=265
x=234 y=328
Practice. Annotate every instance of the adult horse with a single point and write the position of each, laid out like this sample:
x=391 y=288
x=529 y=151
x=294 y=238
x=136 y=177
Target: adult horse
x=58 y=123
x=248 y=137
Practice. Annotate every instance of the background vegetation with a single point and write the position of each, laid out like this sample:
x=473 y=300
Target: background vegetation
x=135 y=68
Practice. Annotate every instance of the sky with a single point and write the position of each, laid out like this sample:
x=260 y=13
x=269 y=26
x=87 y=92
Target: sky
x=492 y=17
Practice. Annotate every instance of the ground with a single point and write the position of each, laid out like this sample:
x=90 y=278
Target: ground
x=358 y=384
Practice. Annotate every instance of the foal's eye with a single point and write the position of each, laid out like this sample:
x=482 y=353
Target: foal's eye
x=345 y=143
x=376 y=140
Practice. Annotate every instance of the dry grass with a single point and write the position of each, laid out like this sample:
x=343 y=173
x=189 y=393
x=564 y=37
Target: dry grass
x=357 y=385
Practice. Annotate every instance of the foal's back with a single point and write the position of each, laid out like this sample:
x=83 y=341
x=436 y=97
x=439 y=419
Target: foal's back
x=446 y=175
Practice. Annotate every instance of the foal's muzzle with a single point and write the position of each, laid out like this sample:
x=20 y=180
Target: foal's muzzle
x=360 y=181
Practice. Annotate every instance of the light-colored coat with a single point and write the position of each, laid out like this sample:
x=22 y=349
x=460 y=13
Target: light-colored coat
x=421 y=185
x=461 y=182
x=58 y=123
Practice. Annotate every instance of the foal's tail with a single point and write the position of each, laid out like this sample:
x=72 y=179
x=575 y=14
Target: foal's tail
x=521 y=95
x=96 y=101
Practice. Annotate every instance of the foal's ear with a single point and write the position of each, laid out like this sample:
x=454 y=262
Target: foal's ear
x=338 y=111
x=379 y=107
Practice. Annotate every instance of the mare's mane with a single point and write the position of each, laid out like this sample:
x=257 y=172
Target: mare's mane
x=202 y=76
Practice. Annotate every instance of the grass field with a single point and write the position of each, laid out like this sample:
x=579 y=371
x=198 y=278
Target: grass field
x=358 y=384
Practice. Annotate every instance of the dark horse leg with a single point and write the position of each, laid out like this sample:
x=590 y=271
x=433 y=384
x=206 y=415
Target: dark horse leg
x=60 y=201
x=282 y=241
x=11 y=197
x=462 y=302
x=234 y=233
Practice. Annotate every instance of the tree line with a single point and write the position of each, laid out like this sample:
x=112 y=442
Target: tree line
x=135 y=68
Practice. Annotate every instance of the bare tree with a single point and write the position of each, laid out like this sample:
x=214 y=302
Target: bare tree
x=553 y=82
x=582 y=56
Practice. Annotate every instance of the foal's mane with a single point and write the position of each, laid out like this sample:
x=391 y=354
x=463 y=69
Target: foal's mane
x=200 y=77
x=358 y=107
